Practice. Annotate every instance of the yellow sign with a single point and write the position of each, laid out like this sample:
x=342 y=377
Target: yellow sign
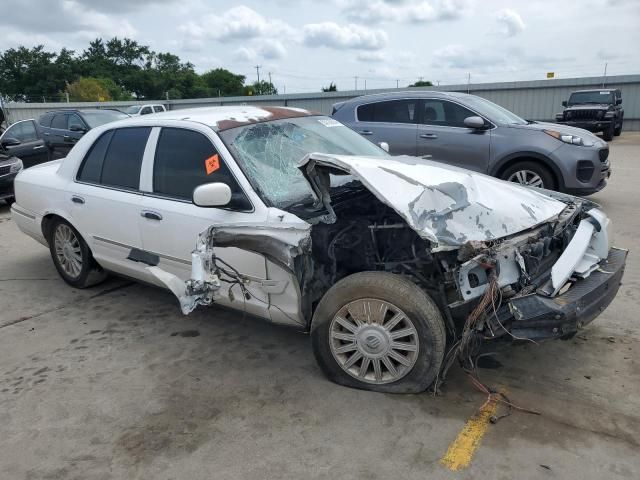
x=551 y=74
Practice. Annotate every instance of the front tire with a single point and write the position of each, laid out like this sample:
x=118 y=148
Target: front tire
x=378 y=331
x=530 y=173
x=618 y=130
x=71 y=256
x=609 y=132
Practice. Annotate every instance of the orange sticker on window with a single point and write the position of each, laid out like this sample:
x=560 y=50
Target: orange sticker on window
x=212 y=164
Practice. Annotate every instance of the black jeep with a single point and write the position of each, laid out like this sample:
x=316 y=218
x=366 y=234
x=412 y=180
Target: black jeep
x=594 y=110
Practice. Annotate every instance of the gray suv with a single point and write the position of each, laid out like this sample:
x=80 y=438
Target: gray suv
x=474 y=133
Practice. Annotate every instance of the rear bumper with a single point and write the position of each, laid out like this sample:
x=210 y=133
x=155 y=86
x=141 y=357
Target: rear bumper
x=539 y=317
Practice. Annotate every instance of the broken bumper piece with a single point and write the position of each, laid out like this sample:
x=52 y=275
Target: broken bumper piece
x=540 y=317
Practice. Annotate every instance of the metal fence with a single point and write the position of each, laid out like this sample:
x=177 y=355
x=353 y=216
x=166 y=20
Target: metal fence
x=534 y=100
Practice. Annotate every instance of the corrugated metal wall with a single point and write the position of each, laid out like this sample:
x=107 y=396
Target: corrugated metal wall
x=534 y=100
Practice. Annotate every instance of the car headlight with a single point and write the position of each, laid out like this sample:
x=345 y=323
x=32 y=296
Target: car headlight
x=570 y=139
x=15 y=167
x=559 y=116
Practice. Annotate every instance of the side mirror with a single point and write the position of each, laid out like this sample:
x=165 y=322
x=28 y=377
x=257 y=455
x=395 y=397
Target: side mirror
x=75 y=127
x=212 y=195
x=564 y=103
x=384 y=146
x=10 y=142
x=474 y=122
x=618 y=101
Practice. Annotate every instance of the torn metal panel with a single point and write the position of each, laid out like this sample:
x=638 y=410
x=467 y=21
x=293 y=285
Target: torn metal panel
x=589 y=245
x=446 y=205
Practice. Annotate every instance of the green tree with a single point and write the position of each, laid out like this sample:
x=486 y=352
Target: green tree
x=261 y=88
x=331 y=88
x=223 y=83
x=422 y=83
x=87 y=89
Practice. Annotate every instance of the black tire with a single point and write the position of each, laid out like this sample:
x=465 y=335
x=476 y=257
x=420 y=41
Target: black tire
x=90 y=273
x=618 y=130
x=418 y=308
x=609 y=132
x=548 y=179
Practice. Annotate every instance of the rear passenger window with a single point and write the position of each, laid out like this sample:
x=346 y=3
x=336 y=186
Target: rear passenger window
x=91 y=168
x=158 y=108
x=45 y=120
x=186 y=159
x=445 y=113
x=115 y=158
x=392 y=111
x=59 y=121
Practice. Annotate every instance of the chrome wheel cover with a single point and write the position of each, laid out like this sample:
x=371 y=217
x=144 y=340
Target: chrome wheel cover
x=526 y=177
x=373 y=341
x=68 y=252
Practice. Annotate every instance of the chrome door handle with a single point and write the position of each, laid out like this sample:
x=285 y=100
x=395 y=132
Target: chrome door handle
x=365 y=132
x=429 y=135
x=38 y=147
x=77 y=199
x=150 y=215
x=47 y=133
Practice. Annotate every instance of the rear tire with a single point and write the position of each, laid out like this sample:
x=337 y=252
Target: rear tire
x=609 y=132
x=379 y=331
x=72 y=257
x=530 y=173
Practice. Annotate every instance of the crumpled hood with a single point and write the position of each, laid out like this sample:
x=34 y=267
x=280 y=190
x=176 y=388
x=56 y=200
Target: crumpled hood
x=446 y=205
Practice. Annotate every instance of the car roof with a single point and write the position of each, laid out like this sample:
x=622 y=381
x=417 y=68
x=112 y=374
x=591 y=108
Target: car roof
x=225 y=117
x=597 y=90
x=407 y=94
x=83 y=110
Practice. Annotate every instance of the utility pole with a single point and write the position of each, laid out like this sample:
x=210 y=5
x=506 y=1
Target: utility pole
x=605 y=75
x=258 y=72
x=397 y=83
x=468 y=81
x=365 y=84
x=66 y=94
x=356 y=78
x=270 y=84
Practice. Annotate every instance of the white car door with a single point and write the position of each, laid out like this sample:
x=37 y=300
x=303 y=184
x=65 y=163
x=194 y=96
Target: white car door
x=106 y=199
x=170 y=223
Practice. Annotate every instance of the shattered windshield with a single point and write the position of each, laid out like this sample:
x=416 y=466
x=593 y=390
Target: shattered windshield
x=269 y=153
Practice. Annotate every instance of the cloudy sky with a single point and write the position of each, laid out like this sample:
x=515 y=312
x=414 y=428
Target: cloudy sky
x=306 y=44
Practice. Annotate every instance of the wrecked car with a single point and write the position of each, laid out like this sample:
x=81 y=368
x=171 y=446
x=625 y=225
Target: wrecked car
x=396 y=266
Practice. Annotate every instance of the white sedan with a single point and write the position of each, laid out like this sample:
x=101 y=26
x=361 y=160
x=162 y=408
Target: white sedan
x=395 y=265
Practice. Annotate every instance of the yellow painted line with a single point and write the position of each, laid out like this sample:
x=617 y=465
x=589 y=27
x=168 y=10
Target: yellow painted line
x=461 y=450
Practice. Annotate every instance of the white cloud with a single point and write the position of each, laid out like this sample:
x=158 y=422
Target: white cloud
x=407 y=11
x=272 y=49
x=332 y=35
x=50 y=16
x=237 y=23
x=372 y=57
x=459 y=56
x=510 y=22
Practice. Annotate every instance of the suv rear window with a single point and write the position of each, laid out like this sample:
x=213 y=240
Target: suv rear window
x=115 y=158
x=391 y=111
